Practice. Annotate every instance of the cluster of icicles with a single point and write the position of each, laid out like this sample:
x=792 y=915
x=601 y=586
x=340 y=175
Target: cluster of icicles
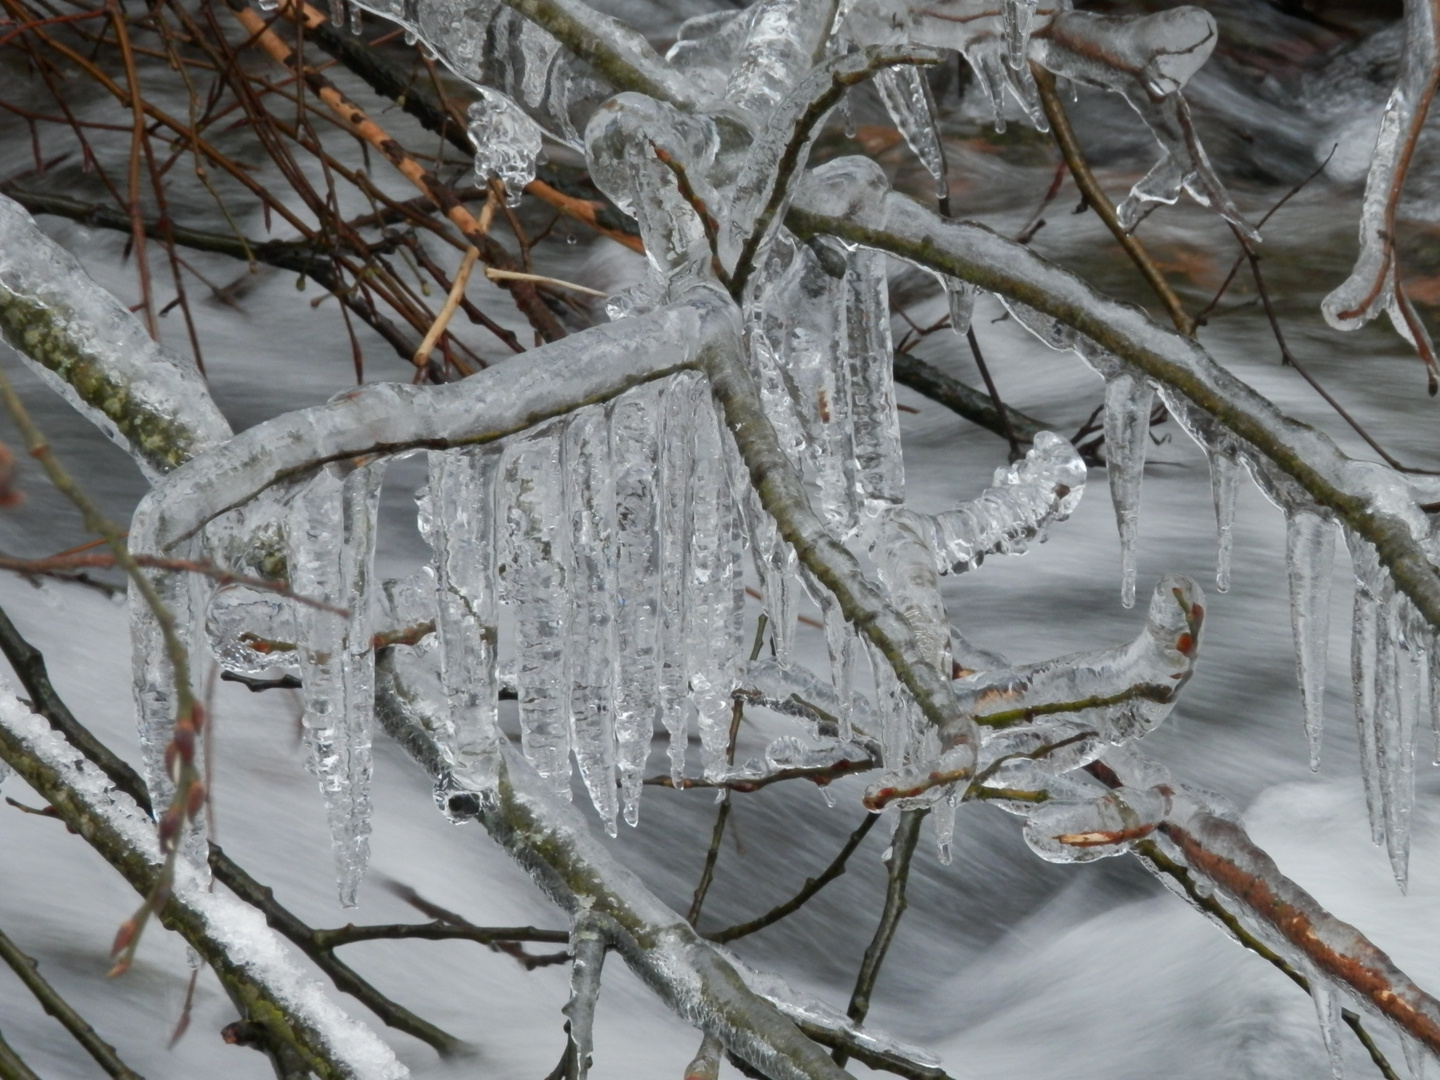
x=607 y=549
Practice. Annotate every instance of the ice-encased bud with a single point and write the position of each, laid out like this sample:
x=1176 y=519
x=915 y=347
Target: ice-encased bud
x=1083 y=832
x=506 y=142
x=634 y=146
x=251 y=630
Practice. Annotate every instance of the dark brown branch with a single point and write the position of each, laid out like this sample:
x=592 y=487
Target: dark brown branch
x=1099 y=202
x=809 y=889
x=907 y=834
x=439 y=930
x=55 y=1005
x=973 y=405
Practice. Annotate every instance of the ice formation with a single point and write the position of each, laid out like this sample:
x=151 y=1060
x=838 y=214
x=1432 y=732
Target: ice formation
x=599 y=552
x=507 y=142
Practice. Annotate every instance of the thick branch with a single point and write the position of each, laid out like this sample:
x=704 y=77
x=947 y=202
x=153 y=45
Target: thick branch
x=1353 y=490
x=261 y=979
x=578 y=873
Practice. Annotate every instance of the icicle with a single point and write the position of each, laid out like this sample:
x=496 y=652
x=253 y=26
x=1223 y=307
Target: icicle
x=635 y=420
x=1327 y=1008
x=715 y=591
x=1310 y=558
x=535 y=586
x=840 y=644
x=1224 y=477
x=879 y=463
x=1364 y=643
x=462 y=506
x=590 y=510
x=1017 y=14
x=986 y=57
x=961 y=297
x=907 y=98
x=1397 y=709
x=676 y=450
x=1128 y=398
x=331 y=555
x=942 y=817
x=506 y=142
x=897 y=710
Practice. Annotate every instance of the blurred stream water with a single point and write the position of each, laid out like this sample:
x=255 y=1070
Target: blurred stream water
x=1006 y=965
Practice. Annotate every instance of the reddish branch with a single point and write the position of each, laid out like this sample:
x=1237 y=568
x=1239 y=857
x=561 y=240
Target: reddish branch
x=1227 y=856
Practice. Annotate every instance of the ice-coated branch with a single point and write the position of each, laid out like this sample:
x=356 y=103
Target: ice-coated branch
x=782 y=493
x=1098 y=201
x=553 y=843
x=589 y=941
x=263 y=980
x=386 y=418
x=1179 y=879
x=1374 y=284
x=1222 y=851
x=96 y=355
x=618 y=53
x=29 y=665
x=1377 y=503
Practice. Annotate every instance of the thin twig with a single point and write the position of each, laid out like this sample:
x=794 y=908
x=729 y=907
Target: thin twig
x=809 y=889
x=907 y=834
x=1099 y=202
x=1009 y=432
x=540 y=279
x=102 y=561
x=452 y=301
x=55 y=1005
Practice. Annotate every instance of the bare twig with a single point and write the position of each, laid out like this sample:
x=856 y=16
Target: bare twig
x=29 y=972
x=1099 y=202
x=907 y=834
x=809 y=889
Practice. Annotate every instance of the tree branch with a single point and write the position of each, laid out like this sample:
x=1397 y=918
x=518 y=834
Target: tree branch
x=55 y=1005
x=578 y=873
x=1352 y=490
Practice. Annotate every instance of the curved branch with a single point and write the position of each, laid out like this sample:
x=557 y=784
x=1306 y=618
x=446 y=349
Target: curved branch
x=1361 y=494
x=549 y=839
x=146 y=399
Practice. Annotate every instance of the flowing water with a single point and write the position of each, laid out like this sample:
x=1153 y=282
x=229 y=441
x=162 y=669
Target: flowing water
x=1004 y=965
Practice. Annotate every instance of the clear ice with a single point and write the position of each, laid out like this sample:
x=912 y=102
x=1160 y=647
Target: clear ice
x=331 y=554
x=1309 y=558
